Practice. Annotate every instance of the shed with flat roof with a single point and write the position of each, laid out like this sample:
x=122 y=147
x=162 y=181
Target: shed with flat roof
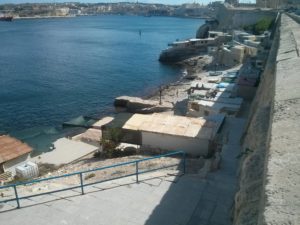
x=206 y=107
x=13 y=153
x=195 y=136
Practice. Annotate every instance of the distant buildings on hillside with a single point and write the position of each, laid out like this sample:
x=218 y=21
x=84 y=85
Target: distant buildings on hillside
x=124 y=8
x=273 y=4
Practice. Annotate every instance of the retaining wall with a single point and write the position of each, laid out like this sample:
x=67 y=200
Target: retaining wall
x=270 y=172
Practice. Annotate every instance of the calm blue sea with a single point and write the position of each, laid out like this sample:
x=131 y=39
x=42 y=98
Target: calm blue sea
x=53 y=70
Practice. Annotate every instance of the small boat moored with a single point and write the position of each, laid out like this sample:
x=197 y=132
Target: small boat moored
x=6 y=18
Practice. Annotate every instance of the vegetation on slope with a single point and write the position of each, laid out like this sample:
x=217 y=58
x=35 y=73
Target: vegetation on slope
x=260 y=26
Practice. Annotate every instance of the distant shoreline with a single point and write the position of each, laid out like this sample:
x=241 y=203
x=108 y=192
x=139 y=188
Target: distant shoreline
x=42 y=17
x=73 y=16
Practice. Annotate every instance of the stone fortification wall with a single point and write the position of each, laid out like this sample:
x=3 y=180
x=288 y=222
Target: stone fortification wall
x=236 y=18
x=281 y=191
x=255 y=143
x=269 y=175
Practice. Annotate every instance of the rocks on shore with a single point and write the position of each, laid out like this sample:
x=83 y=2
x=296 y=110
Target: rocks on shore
x=138 y=105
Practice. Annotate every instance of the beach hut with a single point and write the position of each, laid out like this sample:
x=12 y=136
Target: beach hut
x=195 y=136
x=207 y=107
x=12 y=154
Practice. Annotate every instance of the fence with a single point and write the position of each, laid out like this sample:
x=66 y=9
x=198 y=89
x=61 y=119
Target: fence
x=81 y=184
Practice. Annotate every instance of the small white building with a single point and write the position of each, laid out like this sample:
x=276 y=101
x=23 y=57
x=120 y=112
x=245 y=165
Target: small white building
x=12 y=154
x=216 y=101
x=195 y=136
x=198 y=108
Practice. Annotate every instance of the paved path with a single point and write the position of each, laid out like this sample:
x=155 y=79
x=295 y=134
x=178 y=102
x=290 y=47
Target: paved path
x=113 y=203
x=217 y=197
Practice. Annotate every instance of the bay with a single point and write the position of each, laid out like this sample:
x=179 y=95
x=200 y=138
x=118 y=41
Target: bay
x=53 y=70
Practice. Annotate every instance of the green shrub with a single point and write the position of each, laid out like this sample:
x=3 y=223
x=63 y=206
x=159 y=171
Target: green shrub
x=260 y=26
x=110 y=140
x=89 y=176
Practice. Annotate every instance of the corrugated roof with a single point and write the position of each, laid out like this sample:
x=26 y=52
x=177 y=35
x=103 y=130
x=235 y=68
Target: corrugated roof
x=172 y=125
x=11 y=148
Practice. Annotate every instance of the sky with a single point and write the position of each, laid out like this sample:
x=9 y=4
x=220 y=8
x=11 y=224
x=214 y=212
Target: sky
x=172 y=2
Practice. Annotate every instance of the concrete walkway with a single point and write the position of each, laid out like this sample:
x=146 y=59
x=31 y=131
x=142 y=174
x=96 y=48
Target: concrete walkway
x=217 y=197
x=121 y=202
x=65 y=152
x=161 y=198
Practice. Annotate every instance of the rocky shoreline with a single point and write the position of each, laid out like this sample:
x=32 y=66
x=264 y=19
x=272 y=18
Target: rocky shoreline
x=174 y=97
x=176 y=92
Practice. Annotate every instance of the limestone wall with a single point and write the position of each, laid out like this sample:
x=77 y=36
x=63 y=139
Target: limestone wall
x=281 y=191
x=236 y=18
x=269 y=175
x=294 y=17
x=248 y=198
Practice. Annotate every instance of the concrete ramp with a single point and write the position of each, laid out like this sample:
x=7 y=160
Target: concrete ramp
x=65 y=151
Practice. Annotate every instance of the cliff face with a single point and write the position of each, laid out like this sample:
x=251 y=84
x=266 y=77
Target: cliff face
x=269 y=171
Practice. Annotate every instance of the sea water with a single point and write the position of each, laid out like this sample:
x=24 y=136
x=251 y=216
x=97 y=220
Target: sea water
x=54 y=70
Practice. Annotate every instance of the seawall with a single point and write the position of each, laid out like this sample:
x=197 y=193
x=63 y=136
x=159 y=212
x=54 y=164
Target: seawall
x=269 y=171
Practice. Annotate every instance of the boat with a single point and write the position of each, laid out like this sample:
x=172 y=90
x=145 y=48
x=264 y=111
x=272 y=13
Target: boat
x=6 y=18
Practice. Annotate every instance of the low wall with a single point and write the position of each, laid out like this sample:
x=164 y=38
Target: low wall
x=294 y=17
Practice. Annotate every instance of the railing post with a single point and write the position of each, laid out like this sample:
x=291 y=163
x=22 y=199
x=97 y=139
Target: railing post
x=184 y=162
x=81 y=184
x=17 y=197
x=137 y=171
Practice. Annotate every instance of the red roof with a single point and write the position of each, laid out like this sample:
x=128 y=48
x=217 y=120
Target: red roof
x=11 y=148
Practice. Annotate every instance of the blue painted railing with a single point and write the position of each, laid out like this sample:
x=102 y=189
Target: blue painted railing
x=82 y=184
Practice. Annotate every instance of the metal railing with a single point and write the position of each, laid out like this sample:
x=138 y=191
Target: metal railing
x=81 y=173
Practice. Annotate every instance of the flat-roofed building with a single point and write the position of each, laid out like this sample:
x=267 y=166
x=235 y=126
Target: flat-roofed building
x=195 y=136
x=12 y=153
x=198 y=108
